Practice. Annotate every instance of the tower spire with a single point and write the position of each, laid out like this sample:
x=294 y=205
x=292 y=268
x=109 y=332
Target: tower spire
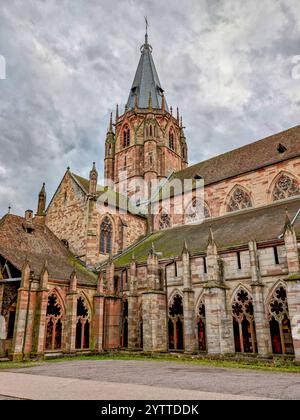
x=146 y=32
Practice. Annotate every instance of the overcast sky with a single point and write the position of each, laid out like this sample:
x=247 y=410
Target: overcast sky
x=226 y=64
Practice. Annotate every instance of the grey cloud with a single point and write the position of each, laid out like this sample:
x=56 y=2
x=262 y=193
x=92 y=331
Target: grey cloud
x=225 y=63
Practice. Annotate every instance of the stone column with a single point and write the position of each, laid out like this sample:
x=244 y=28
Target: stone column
x=112 y=310
x=71 y=315
x=98 y=325
x=219 y=334
x=188 y=303
x=133 y=308
x=262 y=329
x=293 y=284
x=22 y=315
x=41 y=313
x=154 y=309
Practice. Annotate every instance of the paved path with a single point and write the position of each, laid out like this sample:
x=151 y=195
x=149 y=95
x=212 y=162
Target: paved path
x=114 y=379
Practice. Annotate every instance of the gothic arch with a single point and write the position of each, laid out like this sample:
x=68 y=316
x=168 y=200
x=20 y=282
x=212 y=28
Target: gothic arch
x=243 y=320
x=284 y=185
x=200 y=321
x=164 y=220
x=83 y=322
x=239 y=198
x=83 y=294
x=55 y=320
x=173 y=294
x=58 y=294
x=175 y=321
x=277 y=312
x=237 y=289
x=103 y=247
x=193 y=212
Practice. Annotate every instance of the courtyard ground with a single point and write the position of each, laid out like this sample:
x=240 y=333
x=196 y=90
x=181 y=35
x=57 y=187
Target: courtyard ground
x=111 y=379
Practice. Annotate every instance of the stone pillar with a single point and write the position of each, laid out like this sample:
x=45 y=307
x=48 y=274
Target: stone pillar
x=133 y=308
x=98 y=331
x=112 y=310
x=22 y=315
x=262 y=328
x=41 y=313
x=188 y=303
x=293 y=284
x=154 y=309
x=71 y=315
x=219 y=334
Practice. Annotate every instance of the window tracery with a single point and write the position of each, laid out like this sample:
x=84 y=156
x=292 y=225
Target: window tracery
x=239 y=200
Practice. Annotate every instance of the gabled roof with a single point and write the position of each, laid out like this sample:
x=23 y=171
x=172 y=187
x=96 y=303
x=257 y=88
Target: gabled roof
x=231 y=231
x=39 y=246
x=146 y=81
x=268 y=151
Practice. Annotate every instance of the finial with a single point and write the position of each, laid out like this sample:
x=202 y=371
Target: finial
x=146 y=33
x=135 y=101
x=178 y=115
x=150 y=101
x=288 y=223
x=171 y=110
x=181 y=125
x=9 y=209
x=163 y=103
x=117 y=112
x=68 y=168
x=211 y=238
x=110 y=123
x=185 y=247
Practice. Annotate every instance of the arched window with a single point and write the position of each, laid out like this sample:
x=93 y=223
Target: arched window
x=171 y=139
x=243 y=323
x=164 y=220
x=175 y=324
x=196 y=211
x=201 y=321
x=126 y=136
x=54 y=323
x=239 y=199
x=106 y=236
x=285 y=187
x=280 y=327
x=82 y=325
x=124 y=339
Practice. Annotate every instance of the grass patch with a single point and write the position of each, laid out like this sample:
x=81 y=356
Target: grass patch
x=271 y=365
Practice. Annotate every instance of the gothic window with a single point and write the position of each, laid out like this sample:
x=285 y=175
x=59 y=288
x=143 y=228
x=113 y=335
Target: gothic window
x=126 y=136
x=82 y=325
x=124 y=339
x=201 y=320
x=175 y=324
x=171 y=139
x=54 y=323
x=280 y=327
x=106 y=236
x=243 y=323
x=239 y=200
x=285 y=187
x=196 y=211
x=164 y=220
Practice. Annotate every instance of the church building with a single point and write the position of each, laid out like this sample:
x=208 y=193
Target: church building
x=221 y=276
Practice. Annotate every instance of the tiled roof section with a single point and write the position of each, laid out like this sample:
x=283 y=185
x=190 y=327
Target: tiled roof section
x=247 y=158
x=231 y=231
x=16 y=245
x=146 y=81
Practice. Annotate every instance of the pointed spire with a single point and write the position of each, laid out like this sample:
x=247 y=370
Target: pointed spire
x=177 y=115
x=152 y=250
x=171 y=110
x=41 y=201
x=181 y=125
x=288 y=224
x=110 y=128
x=9 y=209
x=93 y=179
x=117 y=112
x=211 y=239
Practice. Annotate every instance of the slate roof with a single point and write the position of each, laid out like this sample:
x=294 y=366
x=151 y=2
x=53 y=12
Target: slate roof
x=246 y=158
x=233 y=230
x=40 y=245
x=146 y=80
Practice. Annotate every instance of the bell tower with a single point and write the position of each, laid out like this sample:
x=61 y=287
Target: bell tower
x=148 y=142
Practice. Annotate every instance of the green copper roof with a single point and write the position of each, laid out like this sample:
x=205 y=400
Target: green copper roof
x=146 y=81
